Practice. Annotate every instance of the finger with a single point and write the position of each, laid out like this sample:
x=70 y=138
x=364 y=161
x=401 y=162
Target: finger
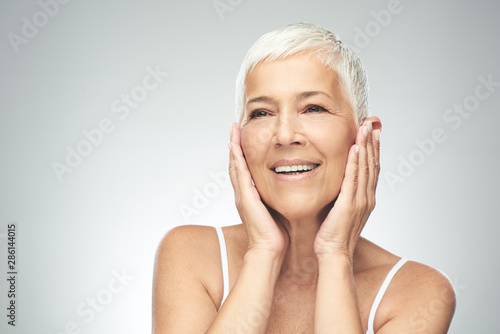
x=372 y=163
x=373 y=169
x=241 y=171
x=350 y=182
x=232 y=172
x=376 y=151
x=363 y=165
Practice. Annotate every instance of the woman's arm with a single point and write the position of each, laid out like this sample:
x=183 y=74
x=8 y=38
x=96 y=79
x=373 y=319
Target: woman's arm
x=336 y=300
x=248 y=306
x=181 y=303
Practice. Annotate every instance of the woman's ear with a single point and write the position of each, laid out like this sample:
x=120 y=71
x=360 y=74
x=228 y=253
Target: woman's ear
x=376 y=123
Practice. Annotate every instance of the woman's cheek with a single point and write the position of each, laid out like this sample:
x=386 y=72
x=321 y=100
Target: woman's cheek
x=263 y=134
x=255 y=140
x=249 y=148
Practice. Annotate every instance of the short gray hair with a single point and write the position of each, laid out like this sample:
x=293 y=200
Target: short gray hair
x=325 y=45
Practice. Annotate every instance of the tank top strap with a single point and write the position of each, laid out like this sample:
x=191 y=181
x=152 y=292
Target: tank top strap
x=223 y=257
x=381 y=293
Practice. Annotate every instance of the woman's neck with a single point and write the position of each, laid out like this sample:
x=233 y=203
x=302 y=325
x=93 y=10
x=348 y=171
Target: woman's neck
x=300 y=265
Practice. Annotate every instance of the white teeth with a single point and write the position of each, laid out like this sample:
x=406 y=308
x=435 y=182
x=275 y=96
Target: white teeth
x=294 y=168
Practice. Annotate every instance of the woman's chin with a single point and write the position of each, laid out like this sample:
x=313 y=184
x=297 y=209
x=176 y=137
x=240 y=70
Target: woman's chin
x=291 y=211
x=301 y=208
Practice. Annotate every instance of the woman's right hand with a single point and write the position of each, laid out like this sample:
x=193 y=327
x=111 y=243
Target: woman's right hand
x=261 y=224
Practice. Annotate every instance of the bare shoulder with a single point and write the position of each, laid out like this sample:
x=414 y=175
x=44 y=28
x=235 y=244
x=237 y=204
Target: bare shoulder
x=419 y=299
x=182 y=302
x=185 y=236
x=190 y=246
x=423 y=300
x=427 y=287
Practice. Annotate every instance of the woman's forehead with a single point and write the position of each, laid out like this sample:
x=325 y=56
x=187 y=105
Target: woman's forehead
x=298 y=76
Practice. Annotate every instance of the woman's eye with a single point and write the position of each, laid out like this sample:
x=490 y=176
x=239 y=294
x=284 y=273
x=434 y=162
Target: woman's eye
x=315 y=109
x=258 y=113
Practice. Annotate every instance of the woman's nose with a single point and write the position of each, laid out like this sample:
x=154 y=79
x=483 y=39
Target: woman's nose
x=287 y=130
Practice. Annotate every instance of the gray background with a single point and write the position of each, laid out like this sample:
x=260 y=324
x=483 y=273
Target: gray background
x=111 y=211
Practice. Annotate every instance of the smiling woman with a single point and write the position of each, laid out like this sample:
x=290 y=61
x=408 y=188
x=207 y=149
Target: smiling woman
x=316 y=126
x=304 y=165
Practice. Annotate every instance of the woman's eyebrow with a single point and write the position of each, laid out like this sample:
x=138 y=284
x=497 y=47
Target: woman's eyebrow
x=307 y=94
x=299 y=96
x=260 y=99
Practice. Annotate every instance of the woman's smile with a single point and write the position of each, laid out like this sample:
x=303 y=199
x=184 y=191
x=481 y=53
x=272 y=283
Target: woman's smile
x=292 y=170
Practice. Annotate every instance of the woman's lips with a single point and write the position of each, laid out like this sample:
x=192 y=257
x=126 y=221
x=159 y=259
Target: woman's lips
x=295 y=177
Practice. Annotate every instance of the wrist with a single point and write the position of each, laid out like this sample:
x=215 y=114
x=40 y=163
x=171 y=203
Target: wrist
x=337 y=250
x=336 y=261
x=264 y=260
x=265 y=255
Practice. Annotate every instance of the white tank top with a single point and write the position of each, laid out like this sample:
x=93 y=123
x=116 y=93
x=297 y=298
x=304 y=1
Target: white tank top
x=376 y=302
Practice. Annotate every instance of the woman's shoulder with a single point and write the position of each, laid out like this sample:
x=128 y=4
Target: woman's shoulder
x=200 y=238
x=192 y=250
x=188 y=242
x=419 y=295
x=413 y=276
x=373 y=257
x=199 y=247
x=185 y=236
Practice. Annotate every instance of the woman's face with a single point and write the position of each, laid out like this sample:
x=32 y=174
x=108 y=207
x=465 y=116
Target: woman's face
x=296 y=111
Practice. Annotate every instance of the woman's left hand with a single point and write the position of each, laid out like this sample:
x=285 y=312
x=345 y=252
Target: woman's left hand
x=342 y=227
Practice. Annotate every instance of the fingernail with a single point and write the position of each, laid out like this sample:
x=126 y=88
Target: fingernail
x=356 y=149
x=229 y=146
x=369 y=125
x=377 y=135
x=365 y=131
